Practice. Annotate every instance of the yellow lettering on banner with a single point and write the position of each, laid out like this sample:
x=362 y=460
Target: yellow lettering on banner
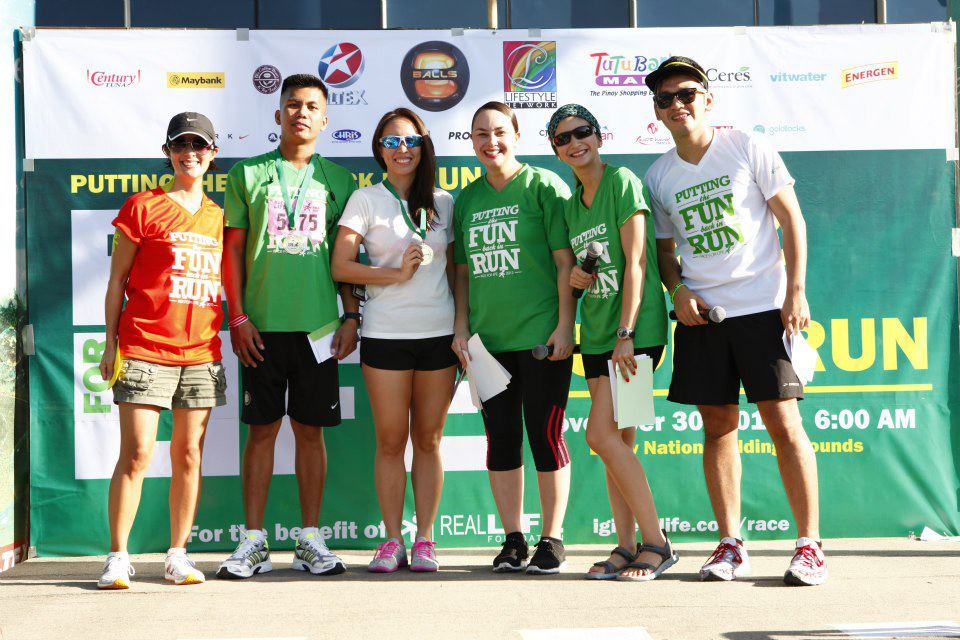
x=364 y=179
x=816 y=335
x=131 y=183
x=914 y=347
x=451 y=178
x=840 y=338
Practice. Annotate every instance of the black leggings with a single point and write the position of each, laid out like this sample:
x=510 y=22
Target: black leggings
x=537 y=395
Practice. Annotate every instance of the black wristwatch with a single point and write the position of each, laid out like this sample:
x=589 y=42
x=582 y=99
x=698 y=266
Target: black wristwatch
x=624 y=333
x=352 y=315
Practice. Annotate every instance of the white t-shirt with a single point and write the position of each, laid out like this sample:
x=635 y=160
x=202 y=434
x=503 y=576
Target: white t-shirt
x=421 y=307
x=717 y=213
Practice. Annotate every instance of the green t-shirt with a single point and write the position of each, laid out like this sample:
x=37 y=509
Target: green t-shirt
x=288 y=282
x=618 y=198
x=506 y=239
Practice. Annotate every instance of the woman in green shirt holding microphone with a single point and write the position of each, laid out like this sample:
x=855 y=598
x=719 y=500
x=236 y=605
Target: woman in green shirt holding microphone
x=622 y=315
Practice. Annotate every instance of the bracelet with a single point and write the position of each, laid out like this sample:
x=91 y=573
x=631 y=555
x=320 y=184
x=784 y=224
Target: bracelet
x=236 y=321
x=674 y=292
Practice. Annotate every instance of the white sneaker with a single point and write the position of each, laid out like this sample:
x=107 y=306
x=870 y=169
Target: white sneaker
x=251 y=557
x=313 y=555
x=729 y=561
x=180 y=569
x=116 y=572
x=808 y=567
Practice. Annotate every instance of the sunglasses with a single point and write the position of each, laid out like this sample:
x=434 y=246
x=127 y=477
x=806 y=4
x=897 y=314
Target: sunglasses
x=580 y=133
x=179 y=146
x=394 y=142
x=664 y=99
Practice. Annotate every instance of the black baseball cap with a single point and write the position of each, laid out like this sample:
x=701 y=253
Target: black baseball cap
x=193 y=123
x=675 y=66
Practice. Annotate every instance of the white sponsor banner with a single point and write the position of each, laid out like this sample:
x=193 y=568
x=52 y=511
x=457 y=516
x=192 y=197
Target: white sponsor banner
x=809 y=88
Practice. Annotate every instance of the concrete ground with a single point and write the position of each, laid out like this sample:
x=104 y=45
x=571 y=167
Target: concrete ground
x=886 y=583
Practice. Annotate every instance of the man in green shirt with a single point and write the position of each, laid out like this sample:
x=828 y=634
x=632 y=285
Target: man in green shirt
x=280 y=210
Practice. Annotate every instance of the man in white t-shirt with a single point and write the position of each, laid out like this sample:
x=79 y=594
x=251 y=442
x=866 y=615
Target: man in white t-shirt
x=717 y=196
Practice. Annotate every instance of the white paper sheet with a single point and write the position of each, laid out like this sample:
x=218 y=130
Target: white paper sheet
x=484 y=372
x=322 y=346
x=633 y=399
x=802 y=355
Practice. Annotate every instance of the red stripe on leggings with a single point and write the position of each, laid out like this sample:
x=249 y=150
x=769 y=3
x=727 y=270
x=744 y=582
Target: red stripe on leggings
x=550 y=439
x=560 y=439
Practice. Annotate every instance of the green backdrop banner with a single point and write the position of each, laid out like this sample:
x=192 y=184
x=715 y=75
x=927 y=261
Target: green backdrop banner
x=882 y=286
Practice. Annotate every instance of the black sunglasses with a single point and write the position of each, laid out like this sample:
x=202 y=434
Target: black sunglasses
x=179 y=146
x=580 y=133
x=664 y=99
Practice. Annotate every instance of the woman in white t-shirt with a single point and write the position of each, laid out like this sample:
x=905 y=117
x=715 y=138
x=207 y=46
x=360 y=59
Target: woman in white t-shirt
x=405 y=225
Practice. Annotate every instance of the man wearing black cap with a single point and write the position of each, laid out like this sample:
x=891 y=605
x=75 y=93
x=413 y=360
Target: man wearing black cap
x=716 y=196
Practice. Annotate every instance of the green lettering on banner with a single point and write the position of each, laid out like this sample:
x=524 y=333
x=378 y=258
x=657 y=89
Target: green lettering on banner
x=92 y=352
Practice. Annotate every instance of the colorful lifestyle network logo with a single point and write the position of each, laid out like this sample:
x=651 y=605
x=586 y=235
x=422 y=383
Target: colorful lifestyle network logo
x=435 y=75
x=875 y=72
x=341 y=66
x=112 y=79
x=530 y=75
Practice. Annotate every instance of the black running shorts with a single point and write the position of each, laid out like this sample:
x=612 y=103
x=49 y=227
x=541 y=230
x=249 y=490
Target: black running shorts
x=595 y=364
x=289 y=381
x=420 y=354
x=710 y=362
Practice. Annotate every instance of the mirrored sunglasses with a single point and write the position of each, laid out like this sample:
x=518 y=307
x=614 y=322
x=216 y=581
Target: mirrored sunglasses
x=393 y=142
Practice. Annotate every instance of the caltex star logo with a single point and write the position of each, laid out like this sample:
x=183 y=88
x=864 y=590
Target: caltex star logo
x=341 y=65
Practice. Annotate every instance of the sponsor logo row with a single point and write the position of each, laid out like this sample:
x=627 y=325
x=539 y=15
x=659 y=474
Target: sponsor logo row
x=435 y=75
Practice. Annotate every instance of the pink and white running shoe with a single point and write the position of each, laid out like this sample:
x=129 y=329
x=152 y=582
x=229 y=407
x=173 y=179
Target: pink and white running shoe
x=729 y=561
x=423 y=556
x=808 y=566
x=390 y=556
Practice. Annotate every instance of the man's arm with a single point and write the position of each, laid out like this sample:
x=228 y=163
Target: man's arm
x=245 y=338
x=687 y=305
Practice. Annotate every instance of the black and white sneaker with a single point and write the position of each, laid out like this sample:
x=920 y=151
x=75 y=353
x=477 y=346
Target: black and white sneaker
x=548 y=558
x=513 y=556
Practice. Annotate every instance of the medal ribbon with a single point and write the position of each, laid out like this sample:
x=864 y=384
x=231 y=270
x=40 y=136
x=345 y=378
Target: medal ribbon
x=422 y=229
x=293 y=213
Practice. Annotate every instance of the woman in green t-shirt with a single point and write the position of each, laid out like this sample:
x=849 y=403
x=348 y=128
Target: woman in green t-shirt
x=513 y=262
x=623 y=315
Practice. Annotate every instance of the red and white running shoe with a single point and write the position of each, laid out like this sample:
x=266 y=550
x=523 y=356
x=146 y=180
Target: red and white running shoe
x=808 y=567
x=729 y=561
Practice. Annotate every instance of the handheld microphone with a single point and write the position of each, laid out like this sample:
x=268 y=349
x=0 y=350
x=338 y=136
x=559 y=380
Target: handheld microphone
x=594 y=251
x=716 y=315
x=544 y=351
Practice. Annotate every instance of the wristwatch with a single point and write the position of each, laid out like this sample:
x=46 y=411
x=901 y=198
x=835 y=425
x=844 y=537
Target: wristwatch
x=352 y=315
x=624 y=333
